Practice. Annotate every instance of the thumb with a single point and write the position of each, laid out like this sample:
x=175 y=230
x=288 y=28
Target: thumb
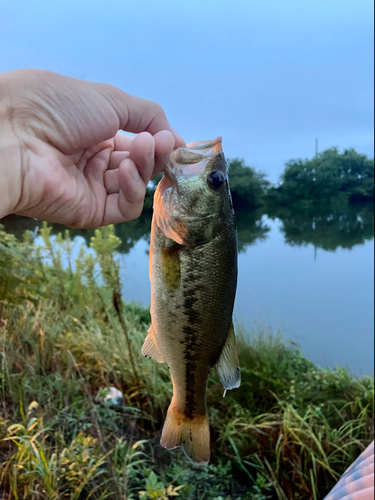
x=136 y=114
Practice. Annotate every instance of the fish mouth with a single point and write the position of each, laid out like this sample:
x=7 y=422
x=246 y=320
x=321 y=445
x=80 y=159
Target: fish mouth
x=206 y=147
x=192 y=160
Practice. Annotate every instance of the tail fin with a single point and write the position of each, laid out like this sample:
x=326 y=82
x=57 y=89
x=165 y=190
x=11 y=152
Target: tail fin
x=192 y=434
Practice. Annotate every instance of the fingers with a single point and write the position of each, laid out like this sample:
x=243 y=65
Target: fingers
x=119 y=209
x=127 y=204
x=131 y=184
x=164 y=145
x=142 y=153
x=116 y=158
x=123 y=141
x=151 y=154
x=111 y=181
x=130 y=172
x=126 y=185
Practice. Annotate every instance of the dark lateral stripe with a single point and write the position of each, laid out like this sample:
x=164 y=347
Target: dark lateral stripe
x=190 y=341
x=190 y=369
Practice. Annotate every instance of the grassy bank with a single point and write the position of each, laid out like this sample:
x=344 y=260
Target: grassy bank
x=288 y=432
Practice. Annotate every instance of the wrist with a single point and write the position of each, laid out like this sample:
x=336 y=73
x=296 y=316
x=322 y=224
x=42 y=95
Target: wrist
x=10 y=185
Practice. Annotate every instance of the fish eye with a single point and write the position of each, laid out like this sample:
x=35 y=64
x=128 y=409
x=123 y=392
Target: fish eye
x=215 y=179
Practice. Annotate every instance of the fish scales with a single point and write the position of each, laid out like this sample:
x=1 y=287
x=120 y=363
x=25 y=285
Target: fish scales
x=193 y=272
x=192 y=321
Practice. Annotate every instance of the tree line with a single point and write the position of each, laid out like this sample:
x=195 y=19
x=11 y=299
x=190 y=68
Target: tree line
x=331 y=179
x=327 y=201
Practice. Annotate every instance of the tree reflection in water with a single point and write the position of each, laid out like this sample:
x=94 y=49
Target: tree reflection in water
x=251 y=228
x=326 y=228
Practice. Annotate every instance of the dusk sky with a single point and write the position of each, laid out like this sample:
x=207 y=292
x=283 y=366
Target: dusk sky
x=268 y=75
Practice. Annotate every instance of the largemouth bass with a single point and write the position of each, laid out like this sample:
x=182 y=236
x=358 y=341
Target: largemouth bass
x=193 y=274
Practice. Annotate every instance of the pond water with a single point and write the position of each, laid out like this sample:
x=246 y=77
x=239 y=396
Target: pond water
x=319 y=299
x=310 y=277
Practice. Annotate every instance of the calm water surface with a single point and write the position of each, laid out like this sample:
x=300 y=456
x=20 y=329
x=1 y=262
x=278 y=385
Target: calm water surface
x=323 y=300
x=320 y=299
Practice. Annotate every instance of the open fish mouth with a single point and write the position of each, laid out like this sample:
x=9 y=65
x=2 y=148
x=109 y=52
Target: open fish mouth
x=192 y=160
x=205 y=146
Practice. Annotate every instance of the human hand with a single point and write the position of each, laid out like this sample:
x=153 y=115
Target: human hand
x=62 y=158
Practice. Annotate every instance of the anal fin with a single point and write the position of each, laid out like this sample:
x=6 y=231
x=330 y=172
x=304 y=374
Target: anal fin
x=150 y=348
x=228 y=367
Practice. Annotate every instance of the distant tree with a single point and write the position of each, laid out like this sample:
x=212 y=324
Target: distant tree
x=330 y=178
x=248 y=186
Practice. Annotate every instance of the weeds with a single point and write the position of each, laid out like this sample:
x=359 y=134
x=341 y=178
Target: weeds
x=288 y=432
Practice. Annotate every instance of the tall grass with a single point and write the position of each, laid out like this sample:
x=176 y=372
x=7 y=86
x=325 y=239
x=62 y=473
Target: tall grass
x=288 y=432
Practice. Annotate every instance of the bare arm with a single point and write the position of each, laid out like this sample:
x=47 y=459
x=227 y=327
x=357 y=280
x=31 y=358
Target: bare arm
x=62 y=157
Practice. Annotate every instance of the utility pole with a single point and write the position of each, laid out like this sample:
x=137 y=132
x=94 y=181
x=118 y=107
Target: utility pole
x=316 y=146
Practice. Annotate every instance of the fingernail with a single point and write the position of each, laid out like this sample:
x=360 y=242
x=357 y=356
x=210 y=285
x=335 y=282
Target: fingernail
x=179 y=140
x=152 y=155
x=136 y=175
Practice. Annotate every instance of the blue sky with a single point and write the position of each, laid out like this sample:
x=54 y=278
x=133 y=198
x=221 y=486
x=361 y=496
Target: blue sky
x=268 y=75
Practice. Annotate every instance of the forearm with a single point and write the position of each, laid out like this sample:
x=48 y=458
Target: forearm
x=9 y=152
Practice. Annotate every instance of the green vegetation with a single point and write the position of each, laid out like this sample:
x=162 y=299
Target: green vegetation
x=327 y=201
x=248 y=186
x=288 y=432
x=330 y=179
